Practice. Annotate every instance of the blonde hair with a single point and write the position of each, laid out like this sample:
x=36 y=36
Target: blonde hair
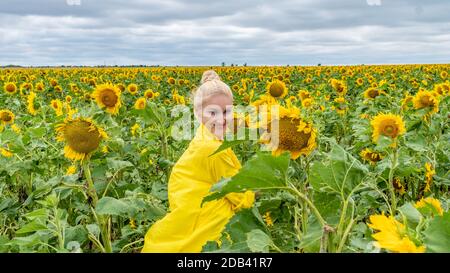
x=211 y=85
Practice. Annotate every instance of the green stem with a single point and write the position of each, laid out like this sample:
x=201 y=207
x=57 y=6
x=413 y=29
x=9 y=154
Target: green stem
x=390 y=182
x=103 y=221
x=91 y=188
x=309 y=203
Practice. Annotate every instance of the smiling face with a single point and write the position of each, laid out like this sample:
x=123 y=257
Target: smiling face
x=217 y=113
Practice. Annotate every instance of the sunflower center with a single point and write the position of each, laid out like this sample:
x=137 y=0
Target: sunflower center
x=10 y=88
x=5 y=117
x=289 y=138
x=390 y=130
x=276 y=89
x=109 y=98
x=81 y=138
x=426 y=101
x=373 y=93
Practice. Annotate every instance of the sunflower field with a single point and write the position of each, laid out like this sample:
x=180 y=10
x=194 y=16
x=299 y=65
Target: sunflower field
x=362 y=163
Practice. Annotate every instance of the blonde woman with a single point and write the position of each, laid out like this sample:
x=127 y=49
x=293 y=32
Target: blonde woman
x=189 y=226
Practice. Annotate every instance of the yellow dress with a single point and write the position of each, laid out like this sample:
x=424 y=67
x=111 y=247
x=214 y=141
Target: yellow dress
x=188 y=226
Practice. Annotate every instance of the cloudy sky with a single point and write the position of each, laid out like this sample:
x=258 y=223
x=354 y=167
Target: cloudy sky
x=199 y=32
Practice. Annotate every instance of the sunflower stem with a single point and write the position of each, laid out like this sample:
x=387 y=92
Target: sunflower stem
x=91 y=188
x=316 y=212
x=390 y=182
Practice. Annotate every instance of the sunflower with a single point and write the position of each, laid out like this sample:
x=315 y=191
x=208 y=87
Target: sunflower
x=276 y=89
x=71 y=170
x=359 y=81
x=171 y=80
x=6 y=117
x=82 y=137
x=134 y=129
x=306 y=103
x=429 y=173
x=132 y=88
x=340 y=105
x=392 y=235
x=339 y=86
x=303 y=94
x=53 y=82
x=264 y=100
x=430 y=202
x=40 y=86
x=108 y=96
x=57 y=106
x=371 y=156
x=268 y=219
x=389 y=125
x=290 y=133
x=10 y=88
x=140 y=103
x=30 y=99
x=441 y=89
x=426 y=99
x=149 y=94
x=121 y=87
x=398 y=186
x=407 y=101
x=372 y=93
x=5 y=152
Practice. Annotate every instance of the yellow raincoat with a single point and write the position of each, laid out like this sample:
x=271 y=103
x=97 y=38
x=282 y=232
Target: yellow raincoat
x=188 y=227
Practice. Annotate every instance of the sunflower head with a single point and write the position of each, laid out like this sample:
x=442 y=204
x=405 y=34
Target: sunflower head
x=371 y=156
x=149 y=94
x=306 y=103
x=290 y=133
x=426 y=99
x=389 y=125
x=6 y=117
x=276 y=89
x=303 y=94
x=108 y=96
x=372 y=93
x=339 y=86
x=40 y=86
x=140 y=103
x=171 y=80
x=132 y=88
x=82 y=137
x=10 y=88
x=30 y=103
x=398 y=186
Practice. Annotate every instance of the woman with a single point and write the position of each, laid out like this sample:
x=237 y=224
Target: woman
x=189 y=226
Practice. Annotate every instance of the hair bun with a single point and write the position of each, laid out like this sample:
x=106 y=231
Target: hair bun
x=209 y=75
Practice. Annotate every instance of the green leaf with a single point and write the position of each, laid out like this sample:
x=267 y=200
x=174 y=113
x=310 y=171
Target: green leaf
x=118 y=165
x=32 y=227
x=340 y=172
x=417 y=143
x=227 y=144
x=437 y=234
x=258 y=241
x=111 y=206
x=261 y=172
x=39 y=213
x=311 y=241
x=38 y=132
x=411 y=213
x=328 y=205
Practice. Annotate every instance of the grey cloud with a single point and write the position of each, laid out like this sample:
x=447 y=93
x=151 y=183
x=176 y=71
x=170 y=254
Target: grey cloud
x=200 y=32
